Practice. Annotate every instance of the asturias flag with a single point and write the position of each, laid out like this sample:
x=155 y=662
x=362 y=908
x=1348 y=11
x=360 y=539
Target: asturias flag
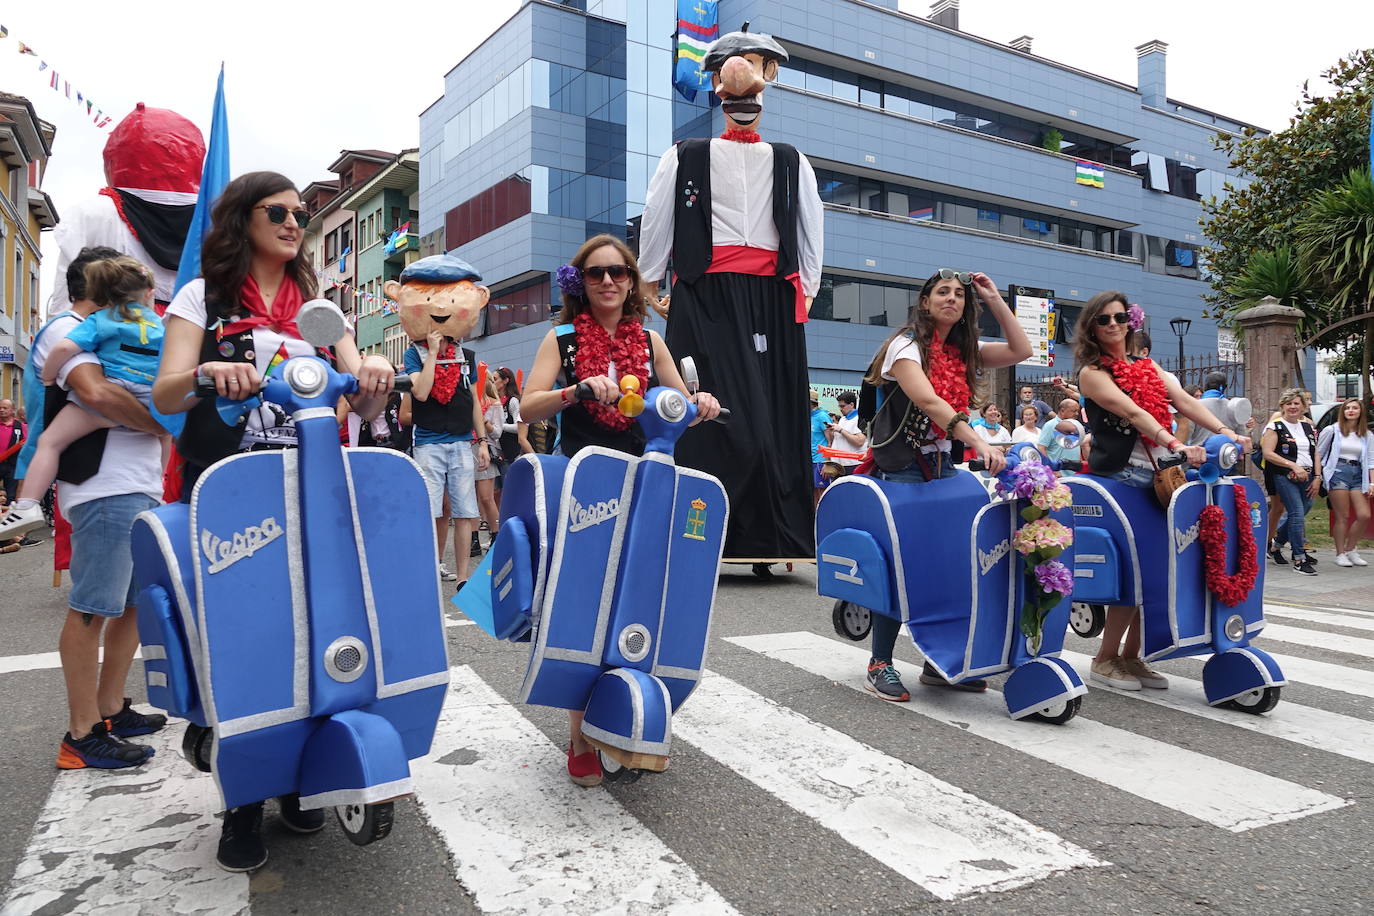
x=213 y=177
x=696 y=29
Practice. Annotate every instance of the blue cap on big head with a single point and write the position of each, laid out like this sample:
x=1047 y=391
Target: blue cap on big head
x=440 y=268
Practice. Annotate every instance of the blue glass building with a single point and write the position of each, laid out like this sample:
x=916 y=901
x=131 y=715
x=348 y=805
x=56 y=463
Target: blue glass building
x=932 y=148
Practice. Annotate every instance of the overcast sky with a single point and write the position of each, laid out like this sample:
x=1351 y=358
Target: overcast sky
x=302 y=84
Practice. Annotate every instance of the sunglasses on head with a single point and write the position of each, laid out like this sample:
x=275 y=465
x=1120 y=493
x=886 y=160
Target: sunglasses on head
x=963 y=276
x=598 y=273
x=1119 y=318
x=276 y=213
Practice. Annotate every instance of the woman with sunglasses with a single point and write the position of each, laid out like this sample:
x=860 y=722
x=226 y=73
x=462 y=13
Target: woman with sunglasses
x=1128 y=400
x=599 y=337
x=229 y=325
x=934 y=360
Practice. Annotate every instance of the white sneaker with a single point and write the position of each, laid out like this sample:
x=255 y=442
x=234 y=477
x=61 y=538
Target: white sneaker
x=1354 y=557
x=446 y=575
x=1113 y=673
x=1147 y=676
x=20 y=521
x=1343 y=559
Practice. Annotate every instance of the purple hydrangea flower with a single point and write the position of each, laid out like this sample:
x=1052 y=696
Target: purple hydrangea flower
x=570 y=280
x=1137 y=317
x=1054 y=576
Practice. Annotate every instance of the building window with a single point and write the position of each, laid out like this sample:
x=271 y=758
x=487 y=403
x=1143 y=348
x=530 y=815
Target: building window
x=331 y=249
x=529 y=303
x=503 y=202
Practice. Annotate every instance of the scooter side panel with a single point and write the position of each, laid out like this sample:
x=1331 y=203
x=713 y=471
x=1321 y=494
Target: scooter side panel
x=400 y=569
x=533 y=492
x=637 y=606
x=995 y=575
x=858 y=504
x=1185 y=626
x=696 y=542
x=1112 y=507
x=162 y=558
x=588 y=541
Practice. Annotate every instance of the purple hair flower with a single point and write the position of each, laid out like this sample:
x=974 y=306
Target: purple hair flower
x=1137 y=317
x=570 y=280
x=1054 y=576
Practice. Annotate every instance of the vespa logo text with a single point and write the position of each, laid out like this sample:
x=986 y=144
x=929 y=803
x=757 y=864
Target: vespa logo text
x=1093 y=511
x=1184 y=538
x=988 y=560
x=245 y=543
x=580 y=516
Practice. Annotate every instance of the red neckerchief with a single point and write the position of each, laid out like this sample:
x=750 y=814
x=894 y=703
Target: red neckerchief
x=948 y=376
x=596 y=350
x=446 y=375
x=741 y=135
x=1141 y=383
x=113 y=195
x=280 y=316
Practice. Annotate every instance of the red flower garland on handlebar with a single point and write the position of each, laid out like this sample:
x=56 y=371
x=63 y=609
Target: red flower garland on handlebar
x=1140 y=382
x=1233 y=589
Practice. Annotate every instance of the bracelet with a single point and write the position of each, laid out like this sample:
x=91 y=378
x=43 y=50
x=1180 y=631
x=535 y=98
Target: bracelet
x=1174 y=445
x=959 y=416
x=564 y=398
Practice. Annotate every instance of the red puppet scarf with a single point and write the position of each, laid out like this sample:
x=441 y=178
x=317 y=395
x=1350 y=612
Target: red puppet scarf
x=448 y=372
x=741 y=135
x=280 y=315
x=597 y=350
x=1141 y=383
x=949 y=377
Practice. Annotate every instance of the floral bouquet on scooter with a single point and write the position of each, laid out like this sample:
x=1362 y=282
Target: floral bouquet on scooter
x=1039 y=540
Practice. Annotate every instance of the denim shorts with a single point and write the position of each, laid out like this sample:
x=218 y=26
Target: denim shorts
x=451 y=465
x=1133 y=476
x=102 y=567
x=1348 y=476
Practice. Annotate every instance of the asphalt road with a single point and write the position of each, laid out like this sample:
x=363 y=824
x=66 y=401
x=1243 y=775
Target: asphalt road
x=790 y=790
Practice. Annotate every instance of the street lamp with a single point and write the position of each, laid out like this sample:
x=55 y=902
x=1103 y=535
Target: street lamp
x=1180 y=328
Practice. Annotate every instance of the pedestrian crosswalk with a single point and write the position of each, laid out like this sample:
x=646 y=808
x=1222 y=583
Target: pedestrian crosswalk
x=519 y=838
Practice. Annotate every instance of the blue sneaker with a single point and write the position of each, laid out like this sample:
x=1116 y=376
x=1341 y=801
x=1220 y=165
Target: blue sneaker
x=884 y=681
x=129 y=723
x=101 y=750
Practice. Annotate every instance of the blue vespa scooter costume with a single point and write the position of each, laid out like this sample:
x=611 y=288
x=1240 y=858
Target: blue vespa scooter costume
x=607 y=553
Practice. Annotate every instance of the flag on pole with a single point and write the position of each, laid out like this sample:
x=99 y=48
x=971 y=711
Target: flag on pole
x=25 y=49
x=697 y=27
x=213 y=177
x=53 y=82
x=4 y=32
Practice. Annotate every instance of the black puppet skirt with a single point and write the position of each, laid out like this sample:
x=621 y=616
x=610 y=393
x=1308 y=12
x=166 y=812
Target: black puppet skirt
x=751 y=354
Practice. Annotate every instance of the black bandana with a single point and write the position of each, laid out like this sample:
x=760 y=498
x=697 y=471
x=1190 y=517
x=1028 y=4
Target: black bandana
x=160 y=228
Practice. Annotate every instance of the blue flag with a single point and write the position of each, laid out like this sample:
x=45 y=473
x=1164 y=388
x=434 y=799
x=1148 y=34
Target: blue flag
x=697 y=27
x=213 y=177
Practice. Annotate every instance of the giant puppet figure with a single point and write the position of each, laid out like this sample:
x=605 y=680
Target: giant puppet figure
x=153 y=162
x=742 y=220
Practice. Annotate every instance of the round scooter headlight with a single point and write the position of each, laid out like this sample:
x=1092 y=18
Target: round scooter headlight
x=1227 y=456
x=1235 y=628
x=671 y=406
x=306 y=377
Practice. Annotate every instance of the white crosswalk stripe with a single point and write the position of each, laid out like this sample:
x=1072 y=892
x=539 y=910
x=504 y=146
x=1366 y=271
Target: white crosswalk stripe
x=520 y=838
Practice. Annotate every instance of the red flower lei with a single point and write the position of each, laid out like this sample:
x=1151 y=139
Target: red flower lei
x=596 y=350
x=1233 y=589
x=741 y=135
x=1141 y=383
x=448 y=375
x=949 y=377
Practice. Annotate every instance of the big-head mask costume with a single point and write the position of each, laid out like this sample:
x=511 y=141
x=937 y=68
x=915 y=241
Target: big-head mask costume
x=741 y=64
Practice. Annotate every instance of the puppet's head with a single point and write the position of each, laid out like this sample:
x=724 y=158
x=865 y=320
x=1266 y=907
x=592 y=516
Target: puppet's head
x=741 y=64
x=438 y=293
x=155 y=149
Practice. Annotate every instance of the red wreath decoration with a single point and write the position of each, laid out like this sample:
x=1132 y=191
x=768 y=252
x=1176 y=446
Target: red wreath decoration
x=949 y=377
x=1233 y=589
x=596 y=350
x=1141 y=383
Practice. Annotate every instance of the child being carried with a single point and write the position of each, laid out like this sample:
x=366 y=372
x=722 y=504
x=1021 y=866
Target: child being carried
x=126 y=336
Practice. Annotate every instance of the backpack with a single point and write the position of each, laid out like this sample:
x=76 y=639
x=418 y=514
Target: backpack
x=543 y=434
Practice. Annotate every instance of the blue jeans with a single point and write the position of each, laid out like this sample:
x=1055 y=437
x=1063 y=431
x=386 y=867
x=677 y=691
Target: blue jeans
x=1296 y=504
x=1349 y=476
x=449 y=466
x=885 y=628
x=102 y=567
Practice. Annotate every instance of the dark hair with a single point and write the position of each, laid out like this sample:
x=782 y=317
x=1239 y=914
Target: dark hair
x=1140 y=343
x=116 y=283
x=964 y=336
x=1214 y=380
x=1086 y=352
x=1361 y=425
x=76 y=270
x=226 y=256
x=512 y=384
x=846 y=397
x=636 y=304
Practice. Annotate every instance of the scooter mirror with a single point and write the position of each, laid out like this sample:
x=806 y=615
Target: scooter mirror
x=689 y=375
x=321 y=323
x=1242 y=410
x=1068 y=441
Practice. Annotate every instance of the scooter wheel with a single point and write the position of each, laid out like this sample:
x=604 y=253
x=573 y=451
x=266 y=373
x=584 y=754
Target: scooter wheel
x=1087 y=620
x=1256 y=702
x=1058 y=713
x=364 y=824
x=851 y=621
x=196 y=745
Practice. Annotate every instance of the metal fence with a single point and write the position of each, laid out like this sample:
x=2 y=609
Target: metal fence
x=1192 y=372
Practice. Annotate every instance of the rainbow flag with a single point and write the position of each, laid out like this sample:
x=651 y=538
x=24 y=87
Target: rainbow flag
x=278 y=358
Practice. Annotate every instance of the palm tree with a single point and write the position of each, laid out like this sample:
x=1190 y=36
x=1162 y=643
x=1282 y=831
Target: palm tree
x=1335 y=245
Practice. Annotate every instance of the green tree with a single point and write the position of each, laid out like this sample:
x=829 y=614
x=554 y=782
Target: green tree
x=1326 y=138
x=1335 y=238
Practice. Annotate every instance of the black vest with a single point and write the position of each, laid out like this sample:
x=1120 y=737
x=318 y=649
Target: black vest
x=692 y=240
x=1287 y=447
x=455 y=417
x=1113 y=438
x=576 y=428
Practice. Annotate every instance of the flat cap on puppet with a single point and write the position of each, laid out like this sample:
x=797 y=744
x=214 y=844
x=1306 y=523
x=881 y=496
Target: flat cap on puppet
x=440 y=268
x=733 y=44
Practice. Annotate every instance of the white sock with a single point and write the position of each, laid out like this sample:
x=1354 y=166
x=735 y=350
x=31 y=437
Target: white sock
x=24 y=503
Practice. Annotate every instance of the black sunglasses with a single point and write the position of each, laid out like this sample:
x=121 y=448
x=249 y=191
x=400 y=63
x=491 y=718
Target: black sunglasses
x=963 y=276
x=598 y=273
x=276 y=213
x=1119 y=318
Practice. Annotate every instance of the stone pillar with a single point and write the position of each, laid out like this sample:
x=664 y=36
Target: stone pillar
x=1269 y=332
